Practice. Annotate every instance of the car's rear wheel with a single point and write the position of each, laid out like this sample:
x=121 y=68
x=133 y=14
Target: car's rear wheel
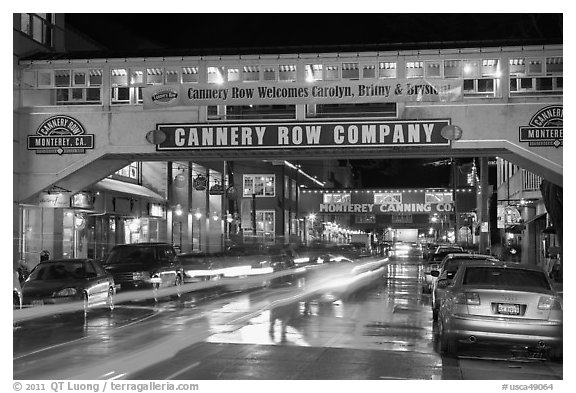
x=555 y=353
x=447 y=345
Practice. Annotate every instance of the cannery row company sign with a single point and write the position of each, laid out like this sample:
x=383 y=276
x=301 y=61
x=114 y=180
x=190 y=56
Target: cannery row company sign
x=385 y=208
x=302 y=134
x=318 y=92
x=545 y=128
x=60 y=135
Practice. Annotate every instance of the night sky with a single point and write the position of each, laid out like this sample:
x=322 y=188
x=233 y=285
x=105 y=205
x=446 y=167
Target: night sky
x=215 y=33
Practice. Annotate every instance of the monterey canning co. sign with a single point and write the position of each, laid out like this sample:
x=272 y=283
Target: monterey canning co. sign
x=545 y=128
x=303 y=135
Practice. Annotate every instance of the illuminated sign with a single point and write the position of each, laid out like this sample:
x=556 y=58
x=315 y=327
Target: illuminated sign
x=60 y=135
x=318 y=92
x=303 y=135
x=384 y=208
x=545 y=128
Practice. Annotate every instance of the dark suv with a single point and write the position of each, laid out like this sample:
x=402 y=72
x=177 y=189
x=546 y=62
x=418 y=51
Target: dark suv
x=144 y=265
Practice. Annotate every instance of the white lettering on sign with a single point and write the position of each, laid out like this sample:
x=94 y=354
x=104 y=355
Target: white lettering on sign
x=346 y=134
x=384 y=208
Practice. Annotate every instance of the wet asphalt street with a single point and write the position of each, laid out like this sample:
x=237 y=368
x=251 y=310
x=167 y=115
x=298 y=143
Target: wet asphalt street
x=379 y=327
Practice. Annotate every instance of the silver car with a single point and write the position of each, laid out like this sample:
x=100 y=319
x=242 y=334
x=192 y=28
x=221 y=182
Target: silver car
x=447 y=269
x=504 y=303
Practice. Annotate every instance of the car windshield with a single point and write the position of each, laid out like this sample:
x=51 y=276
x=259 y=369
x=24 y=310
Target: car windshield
x=123 y=255
x=498 y=277
x=58 y=271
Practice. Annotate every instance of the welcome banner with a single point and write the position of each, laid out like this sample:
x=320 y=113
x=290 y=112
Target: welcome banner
x=292 y=93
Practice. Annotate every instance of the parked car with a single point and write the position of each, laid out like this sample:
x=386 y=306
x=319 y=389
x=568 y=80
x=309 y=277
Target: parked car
x=502 y=303
x=145 y=265
x=433 y=262
x=199 y=266
x=67 y=280
x=447 y=269
x=17 y=296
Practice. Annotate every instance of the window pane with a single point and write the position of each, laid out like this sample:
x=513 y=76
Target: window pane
x=471 y=69
x=93 y=94
x=313 y=72
x=486 y=85
x=62 y=95
x=369 y=71
x=77 y=94
x=172 y=76
x=189 y=74
x=554 y=65
x=452 y=68
x=543 y=83
x=28 y=79
x=79 y=78
x=332 y=72
x=350 y=71
x=269 y=73
x=526 y=83
x=154 y=76
x=62 y=77
x=387 y=70
x=517 y=67
x=469 y=85
x=119 y=77
x=287 y=73
x=414 y=69
x=215 y=74
x=233 y=74
x=251 y=73
x=95 y=78
x=490 y=67
x=433 y=69
x=534 y=67
x=44 y=78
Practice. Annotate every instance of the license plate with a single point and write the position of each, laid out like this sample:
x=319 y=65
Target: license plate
x=117 y=286
x=509 y=309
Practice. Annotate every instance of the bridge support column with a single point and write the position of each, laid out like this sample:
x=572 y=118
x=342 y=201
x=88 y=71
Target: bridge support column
x=483 y=217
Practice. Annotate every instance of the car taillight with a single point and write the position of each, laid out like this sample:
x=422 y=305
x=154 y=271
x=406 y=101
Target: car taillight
x=469 y=298
x=549 y=303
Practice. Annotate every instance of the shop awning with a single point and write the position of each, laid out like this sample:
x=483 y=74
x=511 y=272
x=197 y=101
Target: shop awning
x=127 y=188
x=536 y=217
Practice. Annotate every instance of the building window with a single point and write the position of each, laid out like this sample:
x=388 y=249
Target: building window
x=251 y=73
x=433 y=69
x=259 y=185
x=350 y=71
x=402 y=219
x=314 y=72
x=387 y=70
x=368 y=71
x=481 y=78
x=536 y=76
x=189 y=74
x=265 y=222
x=130 y=172
x=215 y=75
x=336 y=197
x=70 y=86
x=365 y=219
x=414 y=69
x=333 y=72
x=269 y=73
x=287 y=73
x=38 y=27
x=387 y=198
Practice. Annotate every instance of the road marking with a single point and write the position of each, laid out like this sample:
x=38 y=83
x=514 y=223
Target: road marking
x=182 y=371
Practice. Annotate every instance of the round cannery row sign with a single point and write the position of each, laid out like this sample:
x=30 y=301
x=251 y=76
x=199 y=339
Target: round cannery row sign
x=545 y=128
x=60 y=134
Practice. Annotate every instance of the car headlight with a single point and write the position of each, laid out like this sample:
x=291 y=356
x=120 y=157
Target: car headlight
x=67 y=292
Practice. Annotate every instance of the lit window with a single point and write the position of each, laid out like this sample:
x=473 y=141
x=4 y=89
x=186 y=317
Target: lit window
x=154 y=76
x=216 y=75
x=333 y=72
x=251 y=73
x=189 y=74
x=336 y=197
x=259 y=185
x=313 y=72
x=287 y=73
x=414 y=69
x=387 y=70
x=233 y=74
